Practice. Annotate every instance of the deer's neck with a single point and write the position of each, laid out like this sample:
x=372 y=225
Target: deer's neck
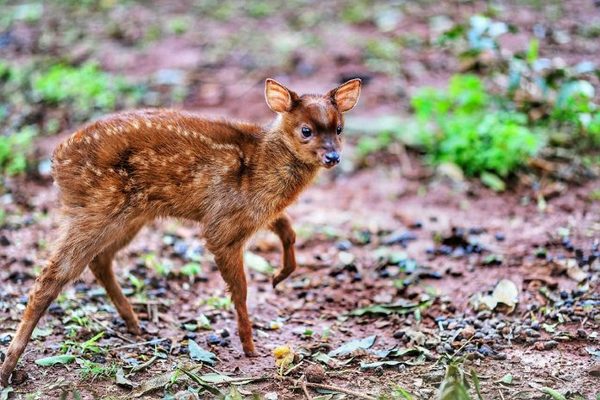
x=280 y=171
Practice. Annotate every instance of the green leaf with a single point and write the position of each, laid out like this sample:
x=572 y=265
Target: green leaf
x=217 y=378
x=475 y=379
x=258 y=263
x=54 y=360
x=553 y=393
x=197 y=353
x=493 y=182
x=453 y=386
x=157 y=382
x=121 y=380
x=533 y=51
x=506 y=379
x=349 y=347
x=402 y=393
x=5 y=393
x=39 y=332
x=377 y=364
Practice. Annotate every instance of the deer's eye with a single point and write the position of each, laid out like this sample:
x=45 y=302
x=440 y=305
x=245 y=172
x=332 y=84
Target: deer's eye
x=339 y=130
x=306 y=132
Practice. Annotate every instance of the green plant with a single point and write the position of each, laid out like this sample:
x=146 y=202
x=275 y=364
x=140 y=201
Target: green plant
x=162 y=268
x=93 y=370
x=219 y=303
x=191 y=269
x=15 y=150
x=90 y=346
x=87 y=87
x=467 y=126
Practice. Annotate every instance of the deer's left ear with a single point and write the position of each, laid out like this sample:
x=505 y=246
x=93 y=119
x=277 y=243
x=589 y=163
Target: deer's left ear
x=346 y=95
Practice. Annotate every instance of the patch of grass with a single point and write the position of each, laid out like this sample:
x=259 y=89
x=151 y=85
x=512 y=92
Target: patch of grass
x=93 y=370
x=161 y=267
x=219 y=303
x=15 y=150
x=89 y=347
x=86 y=88
x=466 y=126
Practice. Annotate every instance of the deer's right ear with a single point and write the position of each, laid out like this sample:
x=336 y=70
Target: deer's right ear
x=279 y=98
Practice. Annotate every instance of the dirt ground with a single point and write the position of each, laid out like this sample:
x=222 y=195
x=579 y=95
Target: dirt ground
x=388 y=233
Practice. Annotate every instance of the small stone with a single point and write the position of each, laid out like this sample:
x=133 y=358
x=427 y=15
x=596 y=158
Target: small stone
x=532 y=333
x=486 y=351
x=344 y=245
x=435 y=376
x=468 y=332
x=315 y=373
x=4 y=241
x=213 y=339
x=5 y=339
x=595 y=371
x=398 y=334
x=548 y=345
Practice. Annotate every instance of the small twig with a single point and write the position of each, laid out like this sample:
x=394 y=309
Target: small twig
x=293 y=368
x=501 y=395
x=332 y=388
x=340 y=390
x=143 y=366
x=128 y=346
x=111 y=330
x=305 y=390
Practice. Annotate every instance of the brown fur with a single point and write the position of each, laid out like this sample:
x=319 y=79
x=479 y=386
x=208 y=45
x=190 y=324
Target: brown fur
x=118 y=173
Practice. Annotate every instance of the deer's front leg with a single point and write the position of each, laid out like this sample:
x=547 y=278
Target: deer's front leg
x=282 y=227
x=231 y=266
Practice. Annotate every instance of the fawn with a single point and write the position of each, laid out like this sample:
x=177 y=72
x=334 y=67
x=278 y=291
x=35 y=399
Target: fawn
x=118 y=173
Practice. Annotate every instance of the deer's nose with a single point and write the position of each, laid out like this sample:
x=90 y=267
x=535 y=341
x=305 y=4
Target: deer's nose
x=332 y=158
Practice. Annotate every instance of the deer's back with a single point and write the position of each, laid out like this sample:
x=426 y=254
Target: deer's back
x=154 y=162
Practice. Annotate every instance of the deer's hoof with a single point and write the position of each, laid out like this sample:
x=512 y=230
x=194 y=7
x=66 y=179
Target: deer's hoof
x=134 y=329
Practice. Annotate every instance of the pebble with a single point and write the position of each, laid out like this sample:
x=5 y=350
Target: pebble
x=344 y=245
x=548 y=345
x=213 y=339
x=4 y=241
x=315 y=373
x=532 y=333
x=435 y=376
x=486 y=351
x=468 y=332
x=399 y=334
x=5 y=339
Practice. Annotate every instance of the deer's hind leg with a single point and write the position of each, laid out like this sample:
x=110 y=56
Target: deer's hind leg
x=101 y=266
x=81 y=241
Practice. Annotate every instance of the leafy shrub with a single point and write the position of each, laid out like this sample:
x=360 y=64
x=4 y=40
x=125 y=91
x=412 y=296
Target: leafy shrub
x=467 y=126
x=14 y=151
x=87 y=87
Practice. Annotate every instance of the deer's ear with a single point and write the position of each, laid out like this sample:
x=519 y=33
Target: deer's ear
x=346 y=95
x=279 y=98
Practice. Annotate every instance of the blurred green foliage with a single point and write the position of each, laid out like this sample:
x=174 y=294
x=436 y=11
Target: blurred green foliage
x=467 y=126
x=15 y=150
x=30 y=90
x=86 y=88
